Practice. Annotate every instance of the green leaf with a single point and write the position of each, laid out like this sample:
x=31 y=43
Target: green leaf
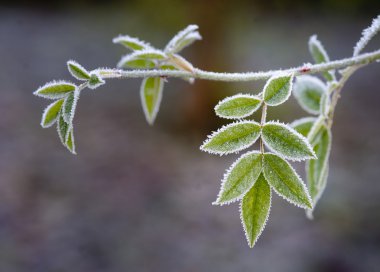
x=151 y=95
x=69 y=107
x=62 y=129
x=77 y=70
x=285 y=181
x=317 y=170
x=182 y=39
x=240 y=177
x=277 y=90
x=50 y=115
x=308 y=91
x=319 y=55
x=325 y=104
x=254 y=210
x=303 y=125
x=286 y=142
x=70 y=143
x=232 y=138
x=238 y=106
x=95 y=81
x=55 y=89
x=131 y=42
x=142 y=59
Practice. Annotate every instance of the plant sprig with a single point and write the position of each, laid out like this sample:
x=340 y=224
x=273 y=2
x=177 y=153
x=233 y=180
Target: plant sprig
x=255 y=174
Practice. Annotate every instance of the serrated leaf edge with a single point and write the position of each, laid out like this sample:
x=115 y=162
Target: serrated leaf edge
x=301 y=181
x=265 y=222
x=84 y=70
x=50 y=84
x=210 y=136
x=239 y=95
x=280 y=75
x=297 y=134
x=226 y=175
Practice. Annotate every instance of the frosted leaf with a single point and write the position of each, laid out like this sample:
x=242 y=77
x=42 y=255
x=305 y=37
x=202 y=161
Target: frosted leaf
x=95 y=80
x=142 y=59
x=238 y=106
x=308 y=91
x=317 y=170
x=303 y=125
x=50 y=115
x=240 y=177
x=131 y=42
x=180 y=63
x=77 y=70
x=69 y=107
x=367 y=35
x=55 y=89
x=151 y=95
x=232 y=138
x=319 y=55
x=70 y=143
x=62 y=129
x=182 y=39
x=286 y=142
x=285 y=181
x=325 y=104
x=255 y=209
x=277 y=90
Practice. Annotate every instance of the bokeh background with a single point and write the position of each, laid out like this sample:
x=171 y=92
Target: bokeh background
x=138 y=198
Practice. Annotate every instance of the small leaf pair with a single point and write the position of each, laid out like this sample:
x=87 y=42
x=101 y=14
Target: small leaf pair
x=62 y=110
x=280 y=138
x=145 y=56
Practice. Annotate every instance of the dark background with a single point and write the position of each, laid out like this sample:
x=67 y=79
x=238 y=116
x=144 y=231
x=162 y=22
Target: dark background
x=138 y=198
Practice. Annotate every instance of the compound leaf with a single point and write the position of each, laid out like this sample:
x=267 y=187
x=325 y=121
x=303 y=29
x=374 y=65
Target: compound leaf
x=232 y=138
x=50 y=115
x=277 y=90
x=286 y=142
x=240 y=177
x=77 y=70
x=151 y=95
x=285 y=181
x=55 y=89
x=238 y=106
x=308 y=91
x=254 y=210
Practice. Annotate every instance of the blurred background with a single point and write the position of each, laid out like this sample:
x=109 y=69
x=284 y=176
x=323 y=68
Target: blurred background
x=138 y=198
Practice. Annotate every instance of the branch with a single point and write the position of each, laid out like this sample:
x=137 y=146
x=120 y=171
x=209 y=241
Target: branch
x=361 y=59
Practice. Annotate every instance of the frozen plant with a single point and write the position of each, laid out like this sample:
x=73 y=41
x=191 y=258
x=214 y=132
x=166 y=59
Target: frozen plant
x=252 y=177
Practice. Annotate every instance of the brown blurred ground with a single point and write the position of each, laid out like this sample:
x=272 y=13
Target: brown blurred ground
x=138 y=198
